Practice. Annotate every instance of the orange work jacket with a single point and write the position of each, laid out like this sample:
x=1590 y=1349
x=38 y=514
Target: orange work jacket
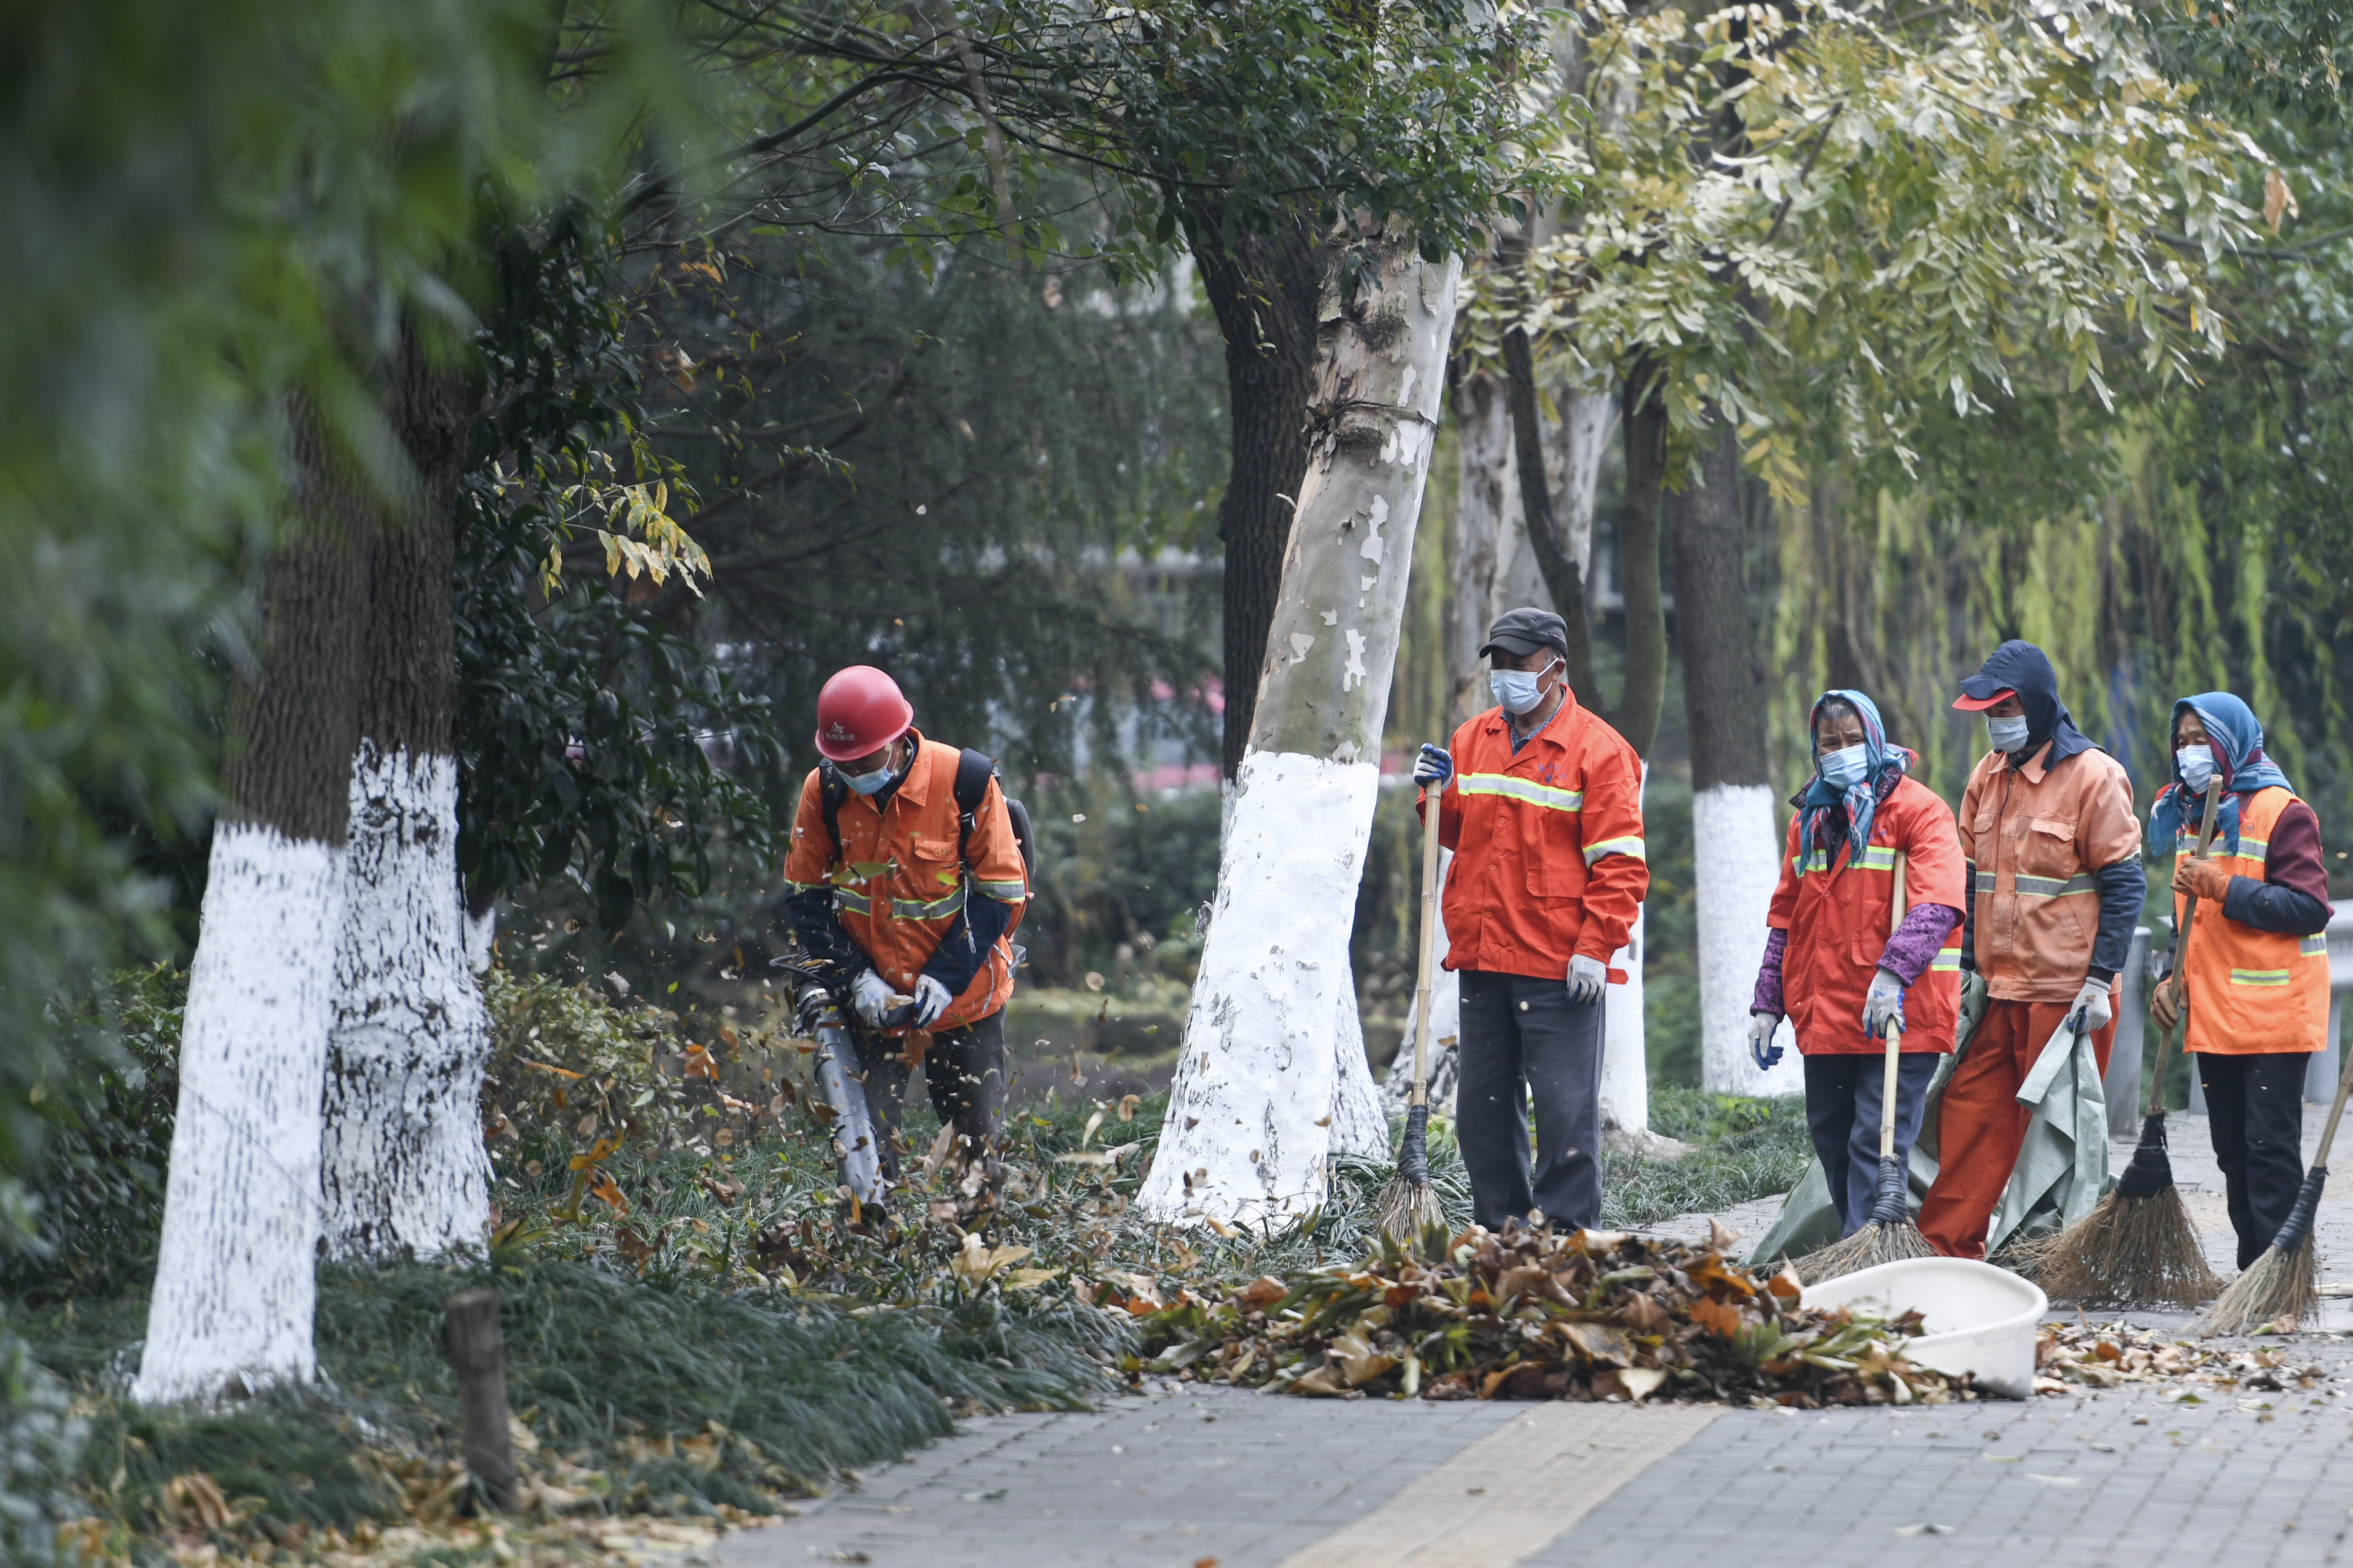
x=1840 y=910
x=1549 y=855
x=2251 y=989
x=898 y=885
x=2033 y=836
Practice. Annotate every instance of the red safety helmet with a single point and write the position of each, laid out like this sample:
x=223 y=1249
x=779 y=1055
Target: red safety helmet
x=860 y=711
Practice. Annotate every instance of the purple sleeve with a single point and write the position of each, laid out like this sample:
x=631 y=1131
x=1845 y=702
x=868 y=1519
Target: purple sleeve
x=1917 y=941
x=1769 y=973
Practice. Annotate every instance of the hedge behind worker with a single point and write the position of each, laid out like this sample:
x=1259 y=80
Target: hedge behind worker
x=914 y=897
x=1542 y=804
x=2256 y=960
x=2054 y=844
x=1843 y=958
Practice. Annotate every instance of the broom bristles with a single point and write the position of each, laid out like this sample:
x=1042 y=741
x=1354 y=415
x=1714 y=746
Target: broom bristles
x=2127 y=1252
x=1409 y=1208
x=1866 y=1248
x=2279 y=1284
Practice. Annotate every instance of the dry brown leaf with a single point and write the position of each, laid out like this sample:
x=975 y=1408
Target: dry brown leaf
x=2278 y=200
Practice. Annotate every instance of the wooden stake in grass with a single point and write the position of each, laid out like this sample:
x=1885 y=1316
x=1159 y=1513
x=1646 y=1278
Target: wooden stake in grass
x=2284 y=1283
x=2137 y=1247
x=478 y=1352
x=1408 y=1207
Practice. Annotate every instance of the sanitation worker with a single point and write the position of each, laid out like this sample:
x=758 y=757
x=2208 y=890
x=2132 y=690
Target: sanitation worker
x=2053 y=845
x=905 y=870
x=1851 y=946
x=1542 y=804
x=2256 y=961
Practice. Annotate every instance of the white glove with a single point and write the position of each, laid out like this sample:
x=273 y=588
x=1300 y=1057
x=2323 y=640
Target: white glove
x=931 y=999
x=1435 y=765
x=2091 y=1004
x=1762 y=1027
x=1882 y=1003
x=1586 y=976
x=870 y=998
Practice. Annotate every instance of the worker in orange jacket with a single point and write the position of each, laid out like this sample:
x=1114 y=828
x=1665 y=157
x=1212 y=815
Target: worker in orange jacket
x=2256 y=959
x=2055 y=889
x=1852 y=946
x=890 y=876
x=1542 y=804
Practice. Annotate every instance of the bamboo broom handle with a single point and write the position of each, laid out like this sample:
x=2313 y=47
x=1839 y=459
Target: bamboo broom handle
x=1433 y=807
x=2329 y=1132
x=1894 y=1036
x=2180 y=976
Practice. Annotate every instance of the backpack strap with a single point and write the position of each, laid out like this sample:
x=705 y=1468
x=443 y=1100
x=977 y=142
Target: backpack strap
x=832 y=789
x=974 y=770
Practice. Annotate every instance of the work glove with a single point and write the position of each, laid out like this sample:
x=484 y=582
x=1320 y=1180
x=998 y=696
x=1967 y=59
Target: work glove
x=1586 y=976
x=931 y=999
x=2200 y=878
x=2165 y=1002
x=2091 y=1006
x=1762 y=1050
x=1433 y=767
x=1973 y=1003
x=869 y=997
x=1882 y=1003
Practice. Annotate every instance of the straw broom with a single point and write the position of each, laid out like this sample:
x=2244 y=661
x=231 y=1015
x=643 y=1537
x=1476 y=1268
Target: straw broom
x=2284 y=1283
x=1408 y=1207
x=1888 y=1235
x=2137 y=1247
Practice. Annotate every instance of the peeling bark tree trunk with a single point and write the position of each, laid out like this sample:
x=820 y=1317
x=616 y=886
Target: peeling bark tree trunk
x=1644 y=422
x=404 y=1171
x=1246 y=1133
x=1264 y=289
x=1735 y=853
x=234 y=1275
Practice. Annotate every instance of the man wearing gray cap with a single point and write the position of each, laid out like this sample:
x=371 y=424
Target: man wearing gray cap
x=1542 y=804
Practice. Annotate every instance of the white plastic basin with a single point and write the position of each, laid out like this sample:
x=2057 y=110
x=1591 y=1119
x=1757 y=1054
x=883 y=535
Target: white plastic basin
x=1979 y=1320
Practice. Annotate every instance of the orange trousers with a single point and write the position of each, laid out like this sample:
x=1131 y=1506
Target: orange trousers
x=1980 y=1124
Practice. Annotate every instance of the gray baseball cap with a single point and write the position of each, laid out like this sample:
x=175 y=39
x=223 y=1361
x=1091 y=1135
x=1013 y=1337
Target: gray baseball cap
x=1521 y=632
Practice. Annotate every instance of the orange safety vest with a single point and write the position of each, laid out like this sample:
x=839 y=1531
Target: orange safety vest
x=2250 y=990
x=898 y=884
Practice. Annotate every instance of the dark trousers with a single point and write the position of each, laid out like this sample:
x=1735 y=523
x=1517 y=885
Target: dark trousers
x=963 y=1072
x=2255 y=1107
x=1844 y=1097
x=1523 y=1039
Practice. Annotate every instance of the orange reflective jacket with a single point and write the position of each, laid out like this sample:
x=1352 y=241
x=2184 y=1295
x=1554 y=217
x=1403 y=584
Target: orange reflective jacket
x=898 y=884
x=2251 y=989
x=1839 y=915
x=1549 y=855
x=2034 y=837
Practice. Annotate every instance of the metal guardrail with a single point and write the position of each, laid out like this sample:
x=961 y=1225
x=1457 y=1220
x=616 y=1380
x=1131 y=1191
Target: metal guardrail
x=2122 y=1083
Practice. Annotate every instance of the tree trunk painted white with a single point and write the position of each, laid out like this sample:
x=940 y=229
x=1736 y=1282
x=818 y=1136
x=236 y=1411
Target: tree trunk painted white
x=1736 y=855
x=1491 y=566
x=1359 y=1124
x=1249 y=1113
x=1445 y=1024
x=481 y=940
x=404 y=1170
x=1625 y=1065
x=233 y=1279
x=1588 y=421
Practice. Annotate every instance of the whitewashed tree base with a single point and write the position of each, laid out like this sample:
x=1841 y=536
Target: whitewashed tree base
x=1737 y=861
x=235 y=1274
x=481 y=940
x=1625 y=1062
x=1360 y=1125
x=404 y=1170
x=1242 y=1144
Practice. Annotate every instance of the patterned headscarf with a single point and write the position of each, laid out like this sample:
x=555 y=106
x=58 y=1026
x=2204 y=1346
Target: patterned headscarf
x=2237 y=741
x=1885 y=767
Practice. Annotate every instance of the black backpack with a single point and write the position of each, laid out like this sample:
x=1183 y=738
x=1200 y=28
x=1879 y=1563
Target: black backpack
x=974 y=770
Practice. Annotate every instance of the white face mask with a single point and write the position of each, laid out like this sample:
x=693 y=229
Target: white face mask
x=2007 y=734
x=1518 y=690
x=2197 y=765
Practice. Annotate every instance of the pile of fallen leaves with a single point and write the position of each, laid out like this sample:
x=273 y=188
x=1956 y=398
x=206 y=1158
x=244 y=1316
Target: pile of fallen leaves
x=1536 y=1315
x=2069 y=1358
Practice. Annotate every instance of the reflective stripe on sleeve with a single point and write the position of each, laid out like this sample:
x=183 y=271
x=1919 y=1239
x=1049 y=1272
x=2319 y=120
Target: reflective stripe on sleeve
x=2053 y=888
x=1631 y=847
x=1005 y=892
x=1948 y=960
x=1983 y=883
x=1876 y=858
x=910 y=910
x=1526 y=791
x=2312 y=947
x=855 y=903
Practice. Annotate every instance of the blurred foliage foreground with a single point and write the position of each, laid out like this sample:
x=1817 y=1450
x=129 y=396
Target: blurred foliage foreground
x=693 y=1334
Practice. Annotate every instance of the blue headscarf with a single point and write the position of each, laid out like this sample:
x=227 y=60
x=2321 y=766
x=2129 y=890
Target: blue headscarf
x=1884 y=767
x=2237 y=741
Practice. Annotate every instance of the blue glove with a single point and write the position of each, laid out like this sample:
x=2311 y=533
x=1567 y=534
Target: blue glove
x=1882 y=1003
x=1586 y=976
x=1762 y=1048
x=1434 y=766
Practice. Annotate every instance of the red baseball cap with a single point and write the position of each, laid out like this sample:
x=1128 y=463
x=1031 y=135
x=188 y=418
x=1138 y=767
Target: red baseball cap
x=1970 y=702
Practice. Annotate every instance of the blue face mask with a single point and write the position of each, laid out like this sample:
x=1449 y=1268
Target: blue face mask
x=1844 y=768
x=2007 y=734
x=874 y=782
x=1517 y=690
x=2196 y=765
